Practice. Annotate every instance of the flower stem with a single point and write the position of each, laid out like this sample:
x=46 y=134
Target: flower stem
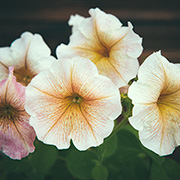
x=120 y=125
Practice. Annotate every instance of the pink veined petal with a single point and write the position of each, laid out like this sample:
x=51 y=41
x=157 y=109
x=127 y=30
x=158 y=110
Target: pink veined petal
x=17 y=136
x=88 y=131
x=50 y=127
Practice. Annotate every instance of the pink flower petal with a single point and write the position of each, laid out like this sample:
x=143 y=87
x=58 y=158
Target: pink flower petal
x=16 y=135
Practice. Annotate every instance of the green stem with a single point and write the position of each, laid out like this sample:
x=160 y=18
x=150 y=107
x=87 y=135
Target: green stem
x=120 y=125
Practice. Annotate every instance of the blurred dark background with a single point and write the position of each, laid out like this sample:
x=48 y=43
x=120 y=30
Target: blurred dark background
x=157 y=21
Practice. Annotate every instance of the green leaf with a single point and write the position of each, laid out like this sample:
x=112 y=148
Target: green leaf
x=59 y=171
x=81 y=163
x=169 y=170
x=133 y=168
x=158 y=159
x=129 y=161
x=2 y=172
x=157 y=172
x=129 y=128
x=128 y=141
x=42 y=160
x=109 y=146
x=35 y=166
x=172 y=169
x=100 y=172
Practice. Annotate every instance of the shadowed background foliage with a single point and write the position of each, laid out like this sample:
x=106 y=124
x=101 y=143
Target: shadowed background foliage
x=157 y=21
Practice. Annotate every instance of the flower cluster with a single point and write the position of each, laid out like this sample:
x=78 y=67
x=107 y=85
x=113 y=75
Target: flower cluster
x=77 y=96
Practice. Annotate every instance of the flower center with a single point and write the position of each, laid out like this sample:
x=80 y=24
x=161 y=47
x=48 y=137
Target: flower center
x=23 y=76
x=7 y=112
x=169 y=102
x=105 y=51
x=77 y=99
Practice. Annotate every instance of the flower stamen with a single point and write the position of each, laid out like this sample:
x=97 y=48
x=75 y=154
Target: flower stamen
x=8 y=112
x=77 y=99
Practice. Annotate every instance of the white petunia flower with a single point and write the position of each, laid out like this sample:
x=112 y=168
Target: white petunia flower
x=72 y=101
x=113 y=48
x=156 y=99
x=29 y=55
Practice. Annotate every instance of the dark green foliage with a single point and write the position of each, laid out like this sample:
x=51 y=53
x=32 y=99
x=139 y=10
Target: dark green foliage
x=120 y=157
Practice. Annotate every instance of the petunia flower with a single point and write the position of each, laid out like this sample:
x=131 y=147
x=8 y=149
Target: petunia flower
x=72 y=101
x=156 y=99
x=16 y=135
x=29 y=55
x=114 y=49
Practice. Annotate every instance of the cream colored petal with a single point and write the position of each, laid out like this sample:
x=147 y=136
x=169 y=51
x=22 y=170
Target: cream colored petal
x=5 y=58
x=64 y=51
x=151 y=81
x=163 y=138
x=142 y=93
x=104 y=22
x=142 y=114
x=130 y=44
x=83 y=43
x=125 y=68
x=38 y=55
x=19 y=50
x=75 y=22
x=46 y=103
x=56 y=82
x=88 y=131
x=84 y=74
x=86 y=29
x=107 y=27
x=27 y=52
x=50 y=123
x=93 y=87
x=171 y=71
x=158 y=129
x=156 y=75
